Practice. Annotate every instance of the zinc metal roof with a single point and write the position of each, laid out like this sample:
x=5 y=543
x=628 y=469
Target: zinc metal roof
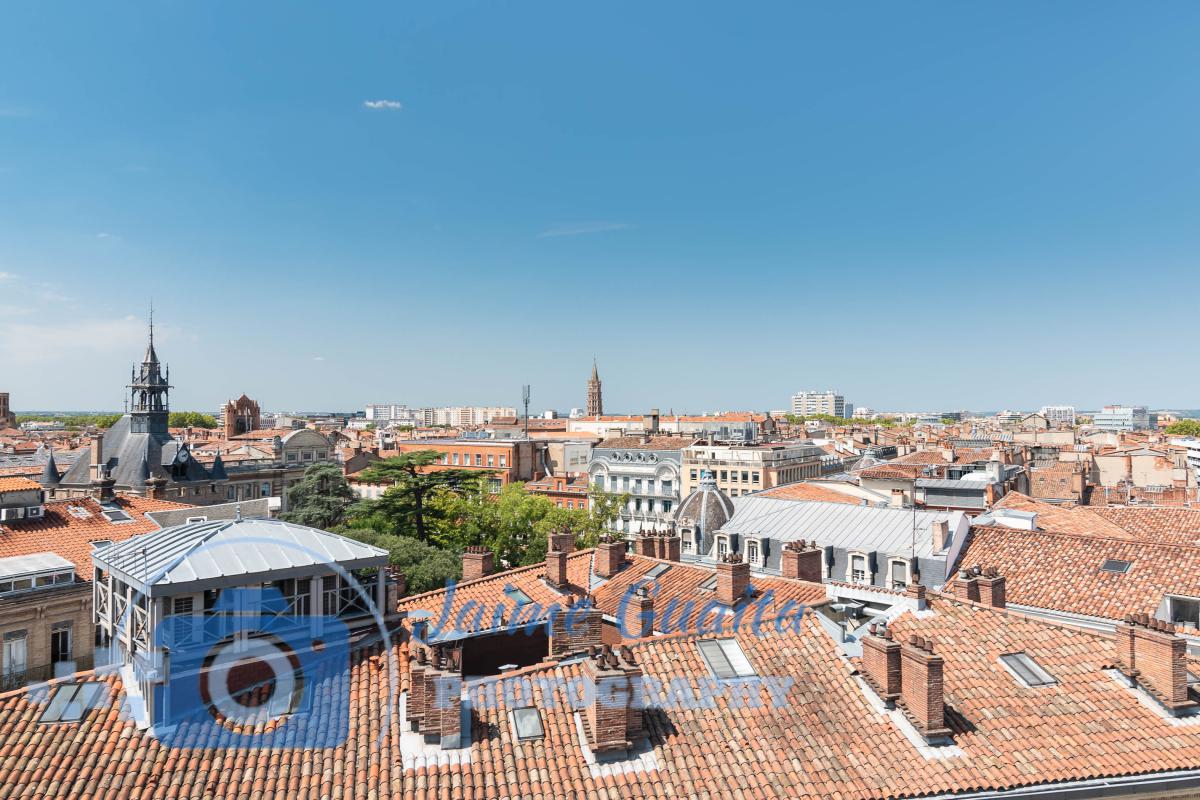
x=34 y=562
x=236 y=552
x=887 y=530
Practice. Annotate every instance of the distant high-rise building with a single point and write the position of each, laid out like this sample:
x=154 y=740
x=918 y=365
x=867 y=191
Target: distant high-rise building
x=1123 y=418
x=807 y=404
x=595 y=400
x=1059 y=415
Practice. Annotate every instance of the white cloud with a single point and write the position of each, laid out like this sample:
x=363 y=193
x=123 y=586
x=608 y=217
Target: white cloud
x=25 y=343
x=106 y=235
x=383 y=105
x=7 y=276
x=318 y=358
x=581 y=228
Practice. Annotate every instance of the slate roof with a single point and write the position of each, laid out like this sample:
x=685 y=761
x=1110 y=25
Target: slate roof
x=125 y=452
x=854 y=527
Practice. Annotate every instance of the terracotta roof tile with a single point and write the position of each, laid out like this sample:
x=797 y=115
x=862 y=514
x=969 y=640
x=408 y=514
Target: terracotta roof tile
x=69 y=526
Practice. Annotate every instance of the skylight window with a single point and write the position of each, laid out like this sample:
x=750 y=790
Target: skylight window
x=710 y=584
x=116 y=515
x=1028 y=671
x=71 y=700
x=725 y=658
x=1115 y=565
x=516 y=595
x=658 y=570
x=528 y=723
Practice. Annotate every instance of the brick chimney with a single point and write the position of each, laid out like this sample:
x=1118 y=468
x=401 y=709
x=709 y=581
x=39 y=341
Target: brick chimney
x=418 y=665
x=397 y=587
x=610 y=555
x=939 y=532
x=614 y=721
x=556 y=567
x=647 y=544
x=671 y=546
x=576 y=627
x=442 y=721
x=881 y=663
x=921 y=687
x=477 y=562
x=96 y=456
x=1149 y=652
x=563 y=540
x=992 y=590
x=639 y=615
x=802 y=562
x=966 y=585
x=156 y=487
x=733 y=579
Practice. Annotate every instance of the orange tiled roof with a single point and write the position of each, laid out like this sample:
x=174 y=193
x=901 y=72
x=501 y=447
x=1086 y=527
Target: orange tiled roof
x=1063 y=519
x=810 y=491
x=826 y=740
x=18 y=484
x=1061 y=571
x=69 y=526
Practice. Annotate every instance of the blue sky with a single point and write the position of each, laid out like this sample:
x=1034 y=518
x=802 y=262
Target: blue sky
x=925 y=205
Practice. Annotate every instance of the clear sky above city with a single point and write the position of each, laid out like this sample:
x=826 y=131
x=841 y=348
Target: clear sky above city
x=924 y=205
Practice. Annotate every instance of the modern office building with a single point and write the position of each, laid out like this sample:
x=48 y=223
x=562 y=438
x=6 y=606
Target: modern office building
x=1123 y=418
x=829 y=402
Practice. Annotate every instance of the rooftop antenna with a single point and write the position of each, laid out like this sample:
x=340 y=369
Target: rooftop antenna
x=525 y=400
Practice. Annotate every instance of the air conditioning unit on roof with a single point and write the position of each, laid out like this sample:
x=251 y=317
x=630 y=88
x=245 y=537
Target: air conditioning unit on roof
x=7 y=514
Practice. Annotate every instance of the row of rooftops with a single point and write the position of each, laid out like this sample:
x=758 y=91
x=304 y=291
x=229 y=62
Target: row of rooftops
x=1022 y=704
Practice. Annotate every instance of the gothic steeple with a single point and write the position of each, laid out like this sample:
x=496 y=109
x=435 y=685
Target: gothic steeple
x=595 y=400
x=149 y=392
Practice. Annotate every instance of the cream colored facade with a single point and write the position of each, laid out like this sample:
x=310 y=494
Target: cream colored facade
x=744 y=469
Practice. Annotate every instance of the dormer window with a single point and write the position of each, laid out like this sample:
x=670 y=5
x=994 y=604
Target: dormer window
x=898 y=577
x=722 y=547
x=857 y=570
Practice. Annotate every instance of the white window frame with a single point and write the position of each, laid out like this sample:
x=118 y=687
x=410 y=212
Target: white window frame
x=758 y=548
x=907 y=572
x=721 y=546
x=866 y=568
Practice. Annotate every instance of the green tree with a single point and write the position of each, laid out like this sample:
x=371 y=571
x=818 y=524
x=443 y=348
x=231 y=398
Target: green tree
x=949 y=421
x=515 y=524
x=403 y=509
x=320 y=499
x=425 y=566
x=193 y=419
x=1184 y=427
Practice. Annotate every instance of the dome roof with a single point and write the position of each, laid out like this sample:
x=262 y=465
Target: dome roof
x=706 y=509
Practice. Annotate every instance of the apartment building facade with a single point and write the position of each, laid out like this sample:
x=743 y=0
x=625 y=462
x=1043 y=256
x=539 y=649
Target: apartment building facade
x=647 y=468
x=808 y=403
x=744 y=469
x=508 y=461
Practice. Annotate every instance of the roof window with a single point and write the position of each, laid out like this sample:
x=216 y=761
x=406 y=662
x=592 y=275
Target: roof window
x=1115 y=565
x=528 y=723
x=725 y=658
x=1028 y=671
x=71 y=700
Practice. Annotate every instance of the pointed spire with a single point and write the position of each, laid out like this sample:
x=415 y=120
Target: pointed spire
x=50 y=476
x=151 y=356
x=217 y=470
x=595 y=373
